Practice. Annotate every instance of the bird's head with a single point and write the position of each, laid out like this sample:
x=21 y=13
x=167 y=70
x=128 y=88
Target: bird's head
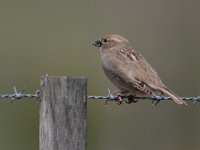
x=110 y=41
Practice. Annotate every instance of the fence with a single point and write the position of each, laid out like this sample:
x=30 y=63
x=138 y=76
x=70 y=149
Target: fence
x=63 y=111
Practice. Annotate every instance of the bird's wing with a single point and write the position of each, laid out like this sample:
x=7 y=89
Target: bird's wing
x=138 y=73
x=128 y=77
x=141 y=86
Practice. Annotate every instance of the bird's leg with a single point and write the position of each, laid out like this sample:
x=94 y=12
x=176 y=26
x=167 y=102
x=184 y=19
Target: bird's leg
x=131 y=99
x=120 y=100
x=120 y=95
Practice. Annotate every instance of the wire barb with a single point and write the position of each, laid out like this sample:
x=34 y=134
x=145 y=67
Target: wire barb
x=19 y=95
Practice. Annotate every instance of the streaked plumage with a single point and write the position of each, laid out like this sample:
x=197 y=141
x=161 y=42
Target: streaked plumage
x=127 y=69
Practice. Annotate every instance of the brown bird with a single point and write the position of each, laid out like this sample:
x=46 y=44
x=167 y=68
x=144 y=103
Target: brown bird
x=127 y=69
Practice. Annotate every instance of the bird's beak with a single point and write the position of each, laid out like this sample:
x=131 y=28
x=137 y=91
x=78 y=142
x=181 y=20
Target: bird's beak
x=98 y=43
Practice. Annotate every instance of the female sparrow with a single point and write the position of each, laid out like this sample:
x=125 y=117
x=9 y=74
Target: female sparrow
x=127 y=69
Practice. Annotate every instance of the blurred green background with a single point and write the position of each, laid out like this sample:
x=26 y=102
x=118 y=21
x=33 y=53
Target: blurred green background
x=55 y=38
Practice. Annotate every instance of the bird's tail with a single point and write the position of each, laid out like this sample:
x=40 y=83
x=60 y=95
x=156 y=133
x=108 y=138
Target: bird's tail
x=171 y=94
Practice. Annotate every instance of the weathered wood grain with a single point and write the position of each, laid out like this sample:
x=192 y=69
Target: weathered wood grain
x=63 y=109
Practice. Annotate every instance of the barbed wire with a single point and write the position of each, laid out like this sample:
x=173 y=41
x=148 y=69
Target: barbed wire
x=19 y=95
x=109 y=97
x=129 y=99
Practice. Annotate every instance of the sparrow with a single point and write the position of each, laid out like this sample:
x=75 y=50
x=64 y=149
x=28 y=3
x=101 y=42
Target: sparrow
x=129 y=71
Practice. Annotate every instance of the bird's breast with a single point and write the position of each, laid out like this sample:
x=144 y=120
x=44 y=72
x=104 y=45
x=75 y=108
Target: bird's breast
x=112 y=68
x=109 y=63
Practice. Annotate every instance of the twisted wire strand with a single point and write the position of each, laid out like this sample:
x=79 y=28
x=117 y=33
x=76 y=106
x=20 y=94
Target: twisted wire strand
x=155 y=99
x=109 y=97
x=19 y=95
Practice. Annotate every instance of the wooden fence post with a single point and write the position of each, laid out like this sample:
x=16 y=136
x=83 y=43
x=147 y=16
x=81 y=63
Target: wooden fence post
x=63 y=109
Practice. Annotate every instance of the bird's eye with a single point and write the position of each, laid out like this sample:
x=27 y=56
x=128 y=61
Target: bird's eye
x=105 y=40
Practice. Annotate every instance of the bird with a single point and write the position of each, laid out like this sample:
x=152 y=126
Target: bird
x=129 y=71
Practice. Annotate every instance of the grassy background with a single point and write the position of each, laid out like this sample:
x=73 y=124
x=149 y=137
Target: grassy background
x=55 y=38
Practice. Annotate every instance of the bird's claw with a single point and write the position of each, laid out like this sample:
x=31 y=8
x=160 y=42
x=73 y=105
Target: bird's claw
x=119 y=101
x=131 y=99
